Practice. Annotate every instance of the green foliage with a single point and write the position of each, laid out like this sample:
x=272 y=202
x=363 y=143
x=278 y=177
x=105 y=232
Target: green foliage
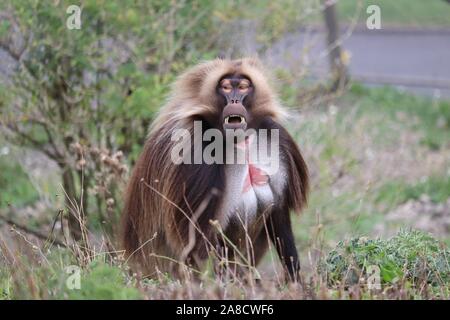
x=100 y=279
x=411 y=256
x=5 y=285
x=120 y=61
x=103 y=282
x=99 y=87
x=279 y=17
x=430 y=117
x=15 y=185
x=395 y=192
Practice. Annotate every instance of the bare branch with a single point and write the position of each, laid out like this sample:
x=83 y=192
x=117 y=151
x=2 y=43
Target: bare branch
x=36 y=233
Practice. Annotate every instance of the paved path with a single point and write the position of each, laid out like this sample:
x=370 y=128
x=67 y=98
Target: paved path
x=416 y=60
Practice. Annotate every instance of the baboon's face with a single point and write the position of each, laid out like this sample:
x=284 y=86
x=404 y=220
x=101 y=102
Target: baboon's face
x=235 y=96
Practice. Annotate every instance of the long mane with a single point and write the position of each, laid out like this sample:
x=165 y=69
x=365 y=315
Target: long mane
x=164 y=202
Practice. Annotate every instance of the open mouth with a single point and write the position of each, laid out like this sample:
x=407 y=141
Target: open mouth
x=235 y=119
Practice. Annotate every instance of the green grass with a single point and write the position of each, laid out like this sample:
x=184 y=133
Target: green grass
x=397 y=192
x=417 y=13
x=5 y=285
x=16 y=188
x=103 y=282
x=429 y=117
x=51 y=279
x=375 y=119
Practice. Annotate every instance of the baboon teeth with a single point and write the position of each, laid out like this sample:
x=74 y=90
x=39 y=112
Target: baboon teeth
x=241 y=118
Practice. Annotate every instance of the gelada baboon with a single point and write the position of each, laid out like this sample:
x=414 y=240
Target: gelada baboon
x=183 y=212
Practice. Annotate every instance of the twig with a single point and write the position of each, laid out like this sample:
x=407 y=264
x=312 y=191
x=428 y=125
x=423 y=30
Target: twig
x=35 y=233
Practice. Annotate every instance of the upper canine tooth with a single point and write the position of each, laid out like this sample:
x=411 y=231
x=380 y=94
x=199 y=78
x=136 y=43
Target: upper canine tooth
x=226 y=119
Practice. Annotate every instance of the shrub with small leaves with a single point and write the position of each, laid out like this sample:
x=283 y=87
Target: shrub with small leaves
x=411 y=256
x=103 y=282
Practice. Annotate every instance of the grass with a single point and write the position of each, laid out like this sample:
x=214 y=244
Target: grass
x=16 y=188
x=396 y=192
x=372 y=149
x=428 y=116
x=49 y=276
x=413 y=259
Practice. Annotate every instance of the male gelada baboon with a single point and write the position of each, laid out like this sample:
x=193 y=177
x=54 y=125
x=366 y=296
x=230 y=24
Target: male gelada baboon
x=182 y=213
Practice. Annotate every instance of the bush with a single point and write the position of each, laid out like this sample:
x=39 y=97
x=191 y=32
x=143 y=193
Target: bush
x=85 y=97
x=103 y=282
x=411 y=256
x=15 y=185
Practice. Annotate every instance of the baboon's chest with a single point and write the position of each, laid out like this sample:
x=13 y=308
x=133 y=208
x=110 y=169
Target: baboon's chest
x=251 y=189
x=254 y=185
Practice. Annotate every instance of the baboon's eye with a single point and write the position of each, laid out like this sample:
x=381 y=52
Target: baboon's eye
x=225 y=85
x=244 y=85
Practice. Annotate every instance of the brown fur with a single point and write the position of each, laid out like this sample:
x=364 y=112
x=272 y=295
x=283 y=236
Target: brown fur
x=164 y=201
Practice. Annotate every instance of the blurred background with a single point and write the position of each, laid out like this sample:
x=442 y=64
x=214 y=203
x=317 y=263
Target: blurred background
x=370 y=109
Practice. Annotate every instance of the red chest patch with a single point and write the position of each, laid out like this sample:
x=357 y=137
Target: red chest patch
x=255 y=177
